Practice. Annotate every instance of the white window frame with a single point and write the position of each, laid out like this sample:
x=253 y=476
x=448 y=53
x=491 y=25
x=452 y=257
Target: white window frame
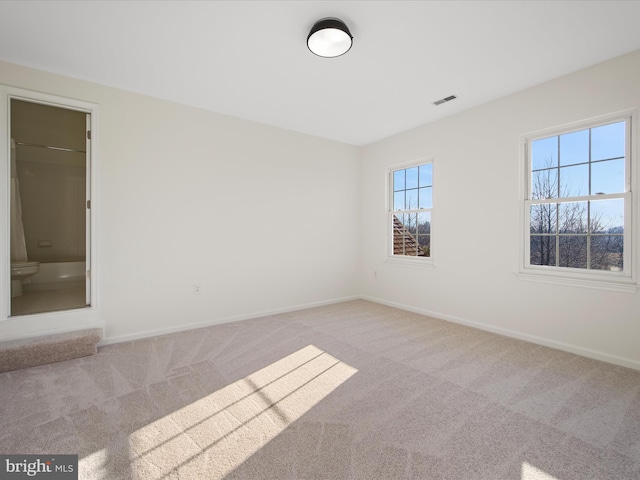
x=624 y=281
x=405 y=260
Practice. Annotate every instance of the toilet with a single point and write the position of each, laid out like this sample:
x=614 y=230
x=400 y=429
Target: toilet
x=19 y=272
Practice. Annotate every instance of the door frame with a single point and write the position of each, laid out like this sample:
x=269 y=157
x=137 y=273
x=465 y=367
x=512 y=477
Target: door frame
x=8 y=93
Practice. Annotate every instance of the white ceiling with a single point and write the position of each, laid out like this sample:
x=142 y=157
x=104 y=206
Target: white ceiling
x=249 y=58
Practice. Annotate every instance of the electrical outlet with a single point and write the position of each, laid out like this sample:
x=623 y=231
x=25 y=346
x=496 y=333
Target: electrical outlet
x=196 y=289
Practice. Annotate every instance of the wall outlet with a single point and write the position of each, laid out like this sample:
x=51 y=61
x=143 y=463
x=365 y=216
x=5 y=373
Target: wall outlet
x=196 y=289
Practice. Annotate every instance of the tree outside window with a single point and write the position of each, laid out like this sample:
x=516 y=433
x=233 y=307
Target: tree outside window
x=578 y=187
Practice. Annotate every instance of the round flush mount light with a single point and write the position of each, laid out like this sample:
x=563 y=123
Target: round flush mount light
x=329 y=38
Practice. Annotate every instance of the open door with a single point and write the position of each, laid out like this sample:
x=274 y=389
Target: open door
x=88 y=212
x=51 y=185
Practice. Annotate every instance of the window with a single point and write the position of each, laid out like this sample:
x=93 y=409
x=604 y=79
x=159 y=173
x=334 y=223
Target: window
x=411 y=206
x=577 y=206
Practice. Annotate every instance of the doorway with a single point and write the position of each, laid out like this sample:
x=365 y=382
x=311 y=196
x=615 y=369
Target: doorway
x=50 y=221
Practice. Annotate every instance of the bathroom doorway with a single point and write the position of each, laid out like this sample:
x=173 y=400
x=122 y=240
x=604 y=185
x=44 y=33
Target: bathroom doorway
x=50 y=207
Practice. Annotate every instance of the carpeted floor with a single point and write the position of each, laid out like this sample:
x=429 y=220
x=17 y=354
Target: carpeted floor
x=347 y=391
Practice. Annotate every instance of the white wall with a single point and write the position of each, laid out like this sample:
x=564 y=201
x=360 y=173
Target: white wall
x=476 y=220
x=263 y=219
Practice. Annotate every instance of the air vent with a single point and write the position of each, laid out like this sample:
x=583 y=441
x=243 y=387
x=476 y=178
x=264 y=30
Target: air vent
x=444 y=100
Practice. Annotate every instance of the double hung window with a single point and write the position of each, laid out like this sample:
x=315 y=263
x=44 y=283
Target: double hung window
x=410 y=212
x=578 y=202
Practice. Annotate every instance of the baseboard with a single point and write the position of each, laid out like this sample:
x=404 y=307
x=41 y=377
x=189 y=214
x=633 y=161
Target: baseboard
x=585 y=352
x=220 y=321
x=596 y=355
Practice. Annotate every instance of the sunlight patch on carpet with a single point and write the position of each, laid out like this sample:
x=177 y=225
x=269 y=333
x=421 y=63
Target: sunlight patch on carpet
x=95 y=463
x=214 y=435
x=529 y=472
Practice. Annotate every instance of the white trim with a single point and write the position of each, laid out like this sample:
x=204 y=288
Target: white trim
x=591 y=122
x=597 y=355
x=582 y=198
x=410 y=262
x=566 y=347
x=88 y=213
x=219 y=321
x=89 y=314
x=401 y=260
x=605 y=284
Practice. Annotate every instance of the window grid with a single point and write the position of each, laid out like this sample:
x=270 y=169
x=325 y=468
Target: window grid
x=411 y=204
x=586 y=245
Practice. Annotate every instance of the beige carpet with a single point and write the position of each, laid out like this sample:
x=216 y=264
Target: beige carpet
x=19 y=354
x=353 y=390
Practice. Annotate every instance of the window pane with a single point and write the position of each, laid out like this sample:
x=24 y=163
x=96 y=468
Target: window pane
x=398 y=200
x=425 y=245
x=411 y=199
x=425 y=199
x=404 y=239
x=607 y=177
x=572 y=217
x=544 y=153
x=398 y=234
x=412 y=177
x=424 y=223
x=608 y=141
x=574 y=181
x=426 y=175
x=398 y=180
x=574 y=148
x=588 y=165
x=607 y=216
x=544 y=184
x=543 y=218
x=606 y=252
x=409 y=221
x=573 y=251
x=410 y=241
x=543 y=250
x=412 y=191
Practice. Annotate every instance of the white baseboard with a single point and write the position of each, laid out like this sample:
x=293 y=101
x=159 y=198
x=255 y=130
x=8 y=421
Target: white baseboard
x=585 y=352
x=219 y=321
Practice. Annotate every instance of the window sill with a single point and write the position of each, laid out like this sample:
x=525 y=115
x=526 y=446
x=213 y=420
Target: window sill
x=409 y=262
x=624 y=285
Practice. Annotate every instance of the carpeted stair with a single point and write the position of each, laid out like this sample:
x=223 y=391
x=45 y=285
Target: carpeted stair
x=29 y=352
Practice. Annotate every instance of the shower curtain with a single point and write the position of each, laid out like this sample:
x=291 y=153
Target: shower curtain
x=18 y=242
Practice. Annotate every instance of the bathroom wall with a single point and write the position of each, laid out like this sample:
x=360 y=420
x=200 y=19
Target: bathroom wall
x=202 y=218
x=52 y=190
x=47 y=125
x=52 y=182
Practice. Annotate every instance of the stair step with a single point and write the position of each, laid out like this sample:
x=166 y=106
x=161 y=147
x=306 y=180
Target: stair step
x=29 y=352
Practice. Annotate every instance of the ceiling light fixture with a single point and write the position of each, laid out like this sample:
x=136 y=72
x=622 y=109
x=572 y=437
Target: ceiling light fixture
x=329 y=37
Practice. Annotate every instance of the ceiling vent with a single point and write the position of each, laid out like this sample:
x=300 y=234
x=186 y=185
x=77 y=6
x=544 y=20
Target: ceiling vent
x=444 y=100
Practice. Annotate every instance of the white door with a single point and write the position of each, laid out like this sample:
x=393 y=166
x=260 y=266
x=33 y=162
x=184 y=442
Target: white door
x=88 y=213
